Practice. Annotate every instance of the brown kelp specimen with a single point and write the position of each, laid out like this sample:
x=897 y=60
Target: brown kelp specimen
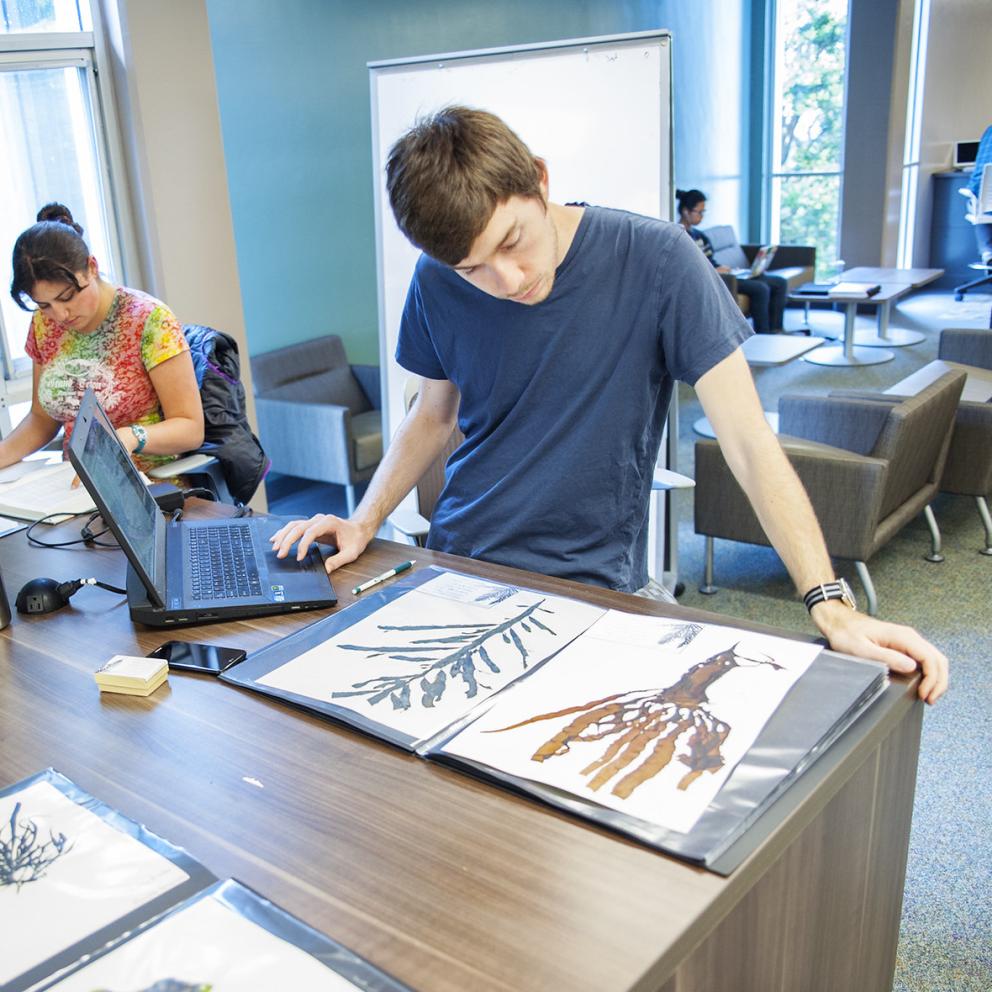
x=450 y=652
x=644 y=728
x=23 y=858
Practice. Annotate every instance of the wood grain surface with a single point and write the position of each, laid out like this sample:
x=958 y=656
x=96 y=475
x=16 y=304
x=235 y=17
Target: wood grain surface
x=444 y=881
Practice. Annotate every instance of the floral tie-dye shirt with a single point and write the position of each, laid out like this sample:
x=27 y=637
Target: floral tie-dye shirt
x=138 y=333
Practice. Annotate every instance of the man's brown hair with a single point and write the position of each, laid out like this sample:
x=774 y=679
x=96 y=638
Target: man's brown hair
x=448 y=174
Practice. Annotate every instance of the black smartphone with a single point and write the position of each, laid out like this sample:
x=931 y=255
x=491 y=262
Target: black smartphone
x=187 y=656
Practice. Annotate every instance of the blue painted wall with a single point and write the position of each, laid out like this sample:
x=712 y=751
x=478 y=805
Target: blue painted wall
x=294 y=101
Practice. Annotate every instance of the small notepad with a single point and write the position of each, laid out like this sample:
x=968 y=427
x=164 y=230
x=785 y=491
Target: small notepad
x=131 y=675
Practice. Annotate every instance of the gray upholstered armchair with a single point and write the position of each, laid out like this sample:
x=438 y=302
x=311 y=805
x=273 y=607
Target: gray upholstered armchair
x=318 y=415
x=869 y=466
x=968 y=471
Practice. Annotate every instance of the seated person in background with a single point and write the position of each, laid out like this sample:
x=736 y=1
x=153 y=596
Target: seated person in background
x=552 y=334
x=983 y=232
x=85 y=332
x=766 y=293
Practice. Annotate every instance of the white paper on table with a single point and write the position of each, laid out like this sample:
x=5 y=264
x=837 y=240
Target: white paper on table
x=11 y=473
x=207 y=944
x=502 y=621
x=101 y=875
x=632 y=657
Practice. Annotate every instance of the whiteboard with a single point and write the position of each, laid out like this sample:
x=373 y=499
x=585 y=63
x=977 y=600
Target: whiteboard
x=597 y=110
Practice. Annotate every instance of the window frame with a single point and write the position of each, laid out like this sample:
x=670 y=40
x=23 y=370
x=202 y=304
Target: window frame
x=773 y=172
x=88 y=51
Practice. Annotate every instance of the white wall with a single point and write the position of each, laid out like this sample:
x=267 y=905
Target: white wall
x=170 y=122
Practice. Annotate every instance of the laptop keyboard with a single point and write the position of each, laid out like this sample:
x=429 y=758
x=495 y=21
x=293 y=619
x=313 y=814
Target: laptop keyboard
x=222 y=562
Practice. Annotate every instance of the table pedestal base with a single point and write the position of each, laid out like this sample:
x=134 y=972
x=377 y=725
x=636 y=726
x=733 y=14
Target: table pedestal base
x=896 y=338
x=840 y=356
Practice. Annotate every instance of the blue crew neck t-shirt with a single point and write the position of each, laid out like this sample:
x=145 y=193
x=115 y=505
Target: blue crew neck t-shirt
x=563 y=403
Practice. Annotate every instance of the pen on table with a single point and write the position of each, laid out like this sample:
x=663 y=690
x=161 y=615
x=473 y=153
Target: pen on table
x=382 y=578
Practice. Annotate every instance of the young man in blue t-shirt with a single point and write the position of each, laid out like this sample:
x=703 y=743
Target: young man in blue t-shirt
x=552 y=335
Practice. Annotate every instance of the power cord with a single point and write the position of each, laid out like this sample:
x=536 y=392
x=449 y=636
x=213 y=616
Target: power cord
x=202 y=492
x=72 y=586
x=86 y=535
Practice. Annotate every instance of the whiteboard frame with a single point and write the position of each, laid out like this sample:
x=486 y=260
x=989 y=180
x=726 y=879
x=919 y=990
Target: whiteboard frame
x=661 y=548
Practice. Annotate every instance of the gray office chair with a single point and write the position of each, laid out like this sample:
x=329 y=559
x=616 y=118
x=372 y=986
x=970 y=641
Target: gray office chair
x=869 y=466
x=979 y=212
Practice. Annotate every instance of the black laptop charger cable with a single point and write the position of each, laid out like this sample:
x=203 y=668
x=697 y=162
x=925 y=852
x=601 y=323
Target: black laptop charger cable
x=87 y=535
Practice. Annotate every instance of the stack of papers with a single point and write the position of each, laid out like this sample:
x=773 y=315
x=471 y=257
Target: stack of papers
x=131 y=675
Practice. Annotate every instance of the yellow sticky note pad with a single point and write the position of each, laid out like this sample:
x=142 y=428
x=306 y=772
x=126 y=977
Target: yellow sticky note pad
x=131 y=675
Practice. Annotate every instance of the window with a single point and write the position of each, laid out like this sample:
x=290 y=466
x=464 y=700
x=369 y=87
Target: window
x=911 y=149
x=808 y=126
x=54 y=149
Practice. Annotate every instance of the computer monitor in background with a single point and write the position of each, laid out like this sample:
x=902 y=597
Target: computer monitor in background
x=965 y=154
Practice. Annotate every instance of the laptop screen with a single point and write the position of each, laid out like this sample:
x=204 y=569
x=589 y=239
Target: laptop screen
x=115 y=485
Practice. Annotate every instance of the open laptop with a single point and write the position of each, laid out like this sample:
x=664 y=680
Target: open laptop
x=761 y=262
x=188 y=571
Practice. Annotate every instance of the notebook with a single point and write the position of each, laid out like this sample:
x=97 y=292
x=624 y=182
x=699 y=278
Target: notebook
x=188 y=571
x=865 y=289
x=36 y=489
x=760 y=264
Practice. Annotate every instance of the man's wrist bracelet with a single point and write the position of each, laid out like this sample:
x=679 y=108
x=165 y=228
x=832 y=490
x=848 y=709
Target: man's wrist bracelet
x=838 y=589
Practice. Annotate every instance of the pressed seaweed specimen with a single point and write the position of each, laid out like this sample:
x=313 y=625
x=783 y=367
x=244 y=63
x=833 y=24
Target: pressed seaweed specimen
x=683 y=633
x=22 y=858
x=450 y=652
x=496 y=595
x=646 y=725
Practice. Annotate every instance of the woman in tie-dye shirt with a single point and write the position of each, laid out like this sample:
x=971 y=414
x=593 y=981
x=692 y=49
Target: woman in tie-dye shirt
x=86 y=332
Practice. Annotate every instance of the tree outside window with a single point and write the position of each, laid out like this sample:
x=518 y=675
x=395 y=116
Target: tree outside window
x=808 y=137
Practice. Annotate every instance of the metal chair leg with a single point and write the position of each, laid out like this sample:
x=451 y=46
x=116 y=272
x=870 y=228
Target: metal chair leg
x=959 y=291
x=935 y=555
x=983 y=512
x=707 y=588
x=869 y=588
x=350 y=499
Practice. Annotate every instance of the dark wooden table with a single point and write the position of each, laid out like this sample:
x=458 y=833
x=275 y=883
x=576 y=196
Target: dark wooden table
x=442 y=880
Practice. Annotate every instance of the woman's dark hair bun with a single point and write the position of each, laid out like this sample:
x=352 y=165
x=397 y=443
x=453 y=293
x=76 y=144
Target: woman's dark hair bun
x=679 y=193
x=59 y=212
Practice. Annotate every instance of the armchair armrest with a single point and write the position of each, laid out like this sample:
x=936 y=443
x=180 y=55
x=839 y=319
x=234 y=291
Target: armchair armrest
x=730 y=281
x=848 y=423
x=197 y=461
x=368 y=378
x=410 y=524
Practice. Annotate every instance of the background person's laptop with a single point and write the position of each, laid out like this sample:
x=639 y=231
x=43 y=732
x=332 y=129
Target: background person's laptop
x=190 y=571
x=761 y=262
